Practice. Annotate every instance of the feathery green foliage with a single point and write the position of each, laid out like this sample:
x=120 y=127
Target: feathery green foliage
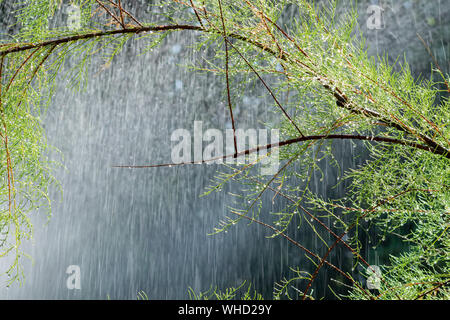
x=336 y=92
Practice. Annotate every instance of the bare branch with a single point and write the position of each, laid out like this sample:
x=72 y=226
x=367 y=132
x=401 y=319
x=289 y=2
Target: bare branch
x=227 y=77
x=292 y=141
x=121 y=13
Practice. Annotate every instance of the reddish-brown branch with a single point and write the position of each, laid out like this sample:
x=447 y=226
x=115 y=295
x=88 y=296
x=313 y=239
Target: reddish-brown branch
x=309 y=252
x=10 y=176
x=268 y=88
x=256 y=73
x=119 y=4
x=97 y=34
x=110 y=13
x=230 y=107
x=338 y=238
x=196 y=13
x=127 y=13
x=20 y=68
x=432 y=289
x=296 y=140
x=49 y=52
x=343 y=101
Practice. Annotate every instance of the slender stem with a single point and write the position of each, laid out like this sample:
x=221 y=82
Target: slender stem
x=196 y=13
x=128 y=14
x=432 y=289
x=110 y=13
x=230 y=107
x=20 y=67
x=121 y=13
x=49 y=52
x=268 y=89
x=10 y=176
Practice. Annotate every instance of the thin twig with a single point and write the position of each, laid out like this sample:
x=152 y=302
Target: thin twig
x=263 y=82
x=10 y=176
x=121 y=13
x=196 y=13
x=227 y=78
x=21 y=66
x=432 y=289
x=434 y=60
x=128 y=14
x=358 y=256
x=42 y=62
x=110 y=13
x=268 y=89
